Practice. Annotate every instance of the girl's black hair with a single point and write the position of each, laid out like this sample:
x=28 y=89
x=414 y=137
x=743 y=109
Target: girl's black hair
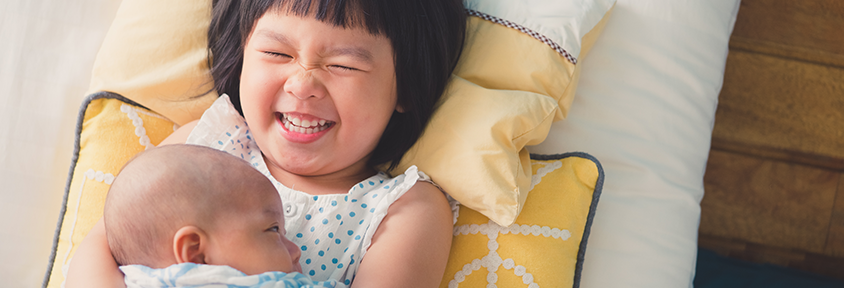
x=427 y=38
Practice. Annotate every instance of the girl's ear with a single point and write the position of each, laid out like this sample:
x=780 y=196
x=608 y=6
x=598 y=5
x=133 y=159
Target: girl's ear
x=190 y=244
x=399 y=108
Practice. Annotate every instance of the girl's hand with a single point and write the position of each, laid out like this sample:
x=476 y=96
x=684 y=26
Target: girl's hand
x=93 y=265
x=410 y=248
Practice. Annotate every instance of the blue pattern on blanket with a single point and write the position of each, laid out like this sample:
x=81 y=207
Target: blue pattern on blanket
x=201 y=275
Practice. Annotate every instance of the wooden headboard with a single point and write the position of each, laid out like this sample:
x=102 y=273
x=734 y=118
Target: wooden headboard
x=775 y=178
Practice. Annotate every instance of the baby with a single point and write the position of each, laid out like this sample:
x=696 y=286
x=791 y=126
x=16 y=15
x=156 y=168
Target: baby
x=176 y=207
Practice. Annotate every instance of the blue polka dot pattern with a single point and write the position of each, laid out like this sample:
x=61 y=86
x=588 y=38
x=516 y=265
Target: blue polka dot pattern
x=330 y=234
x=307 y=216
x=299 y=235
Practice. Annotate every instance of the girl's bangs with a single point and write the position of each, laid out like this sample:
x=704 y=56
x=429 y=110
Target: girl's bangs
x=340 y=13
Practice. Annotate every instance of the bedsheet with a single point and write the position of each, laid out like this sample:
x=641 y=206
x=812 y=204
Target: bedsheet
x=46 y=54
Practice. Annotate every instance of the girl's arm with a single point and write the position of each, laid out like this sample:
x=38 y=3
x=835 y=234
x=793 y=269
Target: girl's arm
x=93 y=265
x=410 y=247
x=180 y=135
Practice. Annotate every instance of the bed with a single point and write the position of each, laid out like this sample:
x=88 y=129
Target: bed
x=644 y=109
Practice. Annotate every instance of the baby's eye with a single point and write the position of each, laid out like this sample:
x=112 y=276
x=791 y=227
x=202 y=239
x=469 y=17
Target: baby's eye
x=273 y=229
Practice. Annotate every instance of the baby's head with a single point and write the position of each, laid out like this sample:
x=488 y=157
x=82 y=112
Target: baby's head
x=186 y=203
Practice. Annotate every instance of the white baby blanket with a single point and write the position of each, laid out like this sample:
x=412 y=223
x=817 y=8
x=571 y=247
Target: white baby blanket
x=200 y=275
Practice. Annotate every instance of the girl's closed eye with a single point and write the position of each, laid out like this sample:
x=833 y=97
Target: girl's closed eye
x=344 y=68
x=278 y=55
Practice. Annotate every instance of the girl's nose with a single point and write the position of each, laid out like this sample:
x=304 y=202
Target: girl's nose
x=303 y=84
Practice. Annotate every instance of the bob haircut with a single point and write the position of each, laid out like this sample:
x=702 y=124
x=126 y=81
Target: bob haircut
x=426 y=36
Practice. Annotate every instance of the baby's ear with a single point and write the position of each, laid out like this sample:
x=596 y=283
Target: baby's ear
x=189 y=245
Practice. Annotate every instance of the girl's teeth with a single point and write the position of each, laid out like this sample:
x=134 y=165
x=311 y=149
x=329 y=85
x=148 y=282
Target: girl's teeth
x=304 y=126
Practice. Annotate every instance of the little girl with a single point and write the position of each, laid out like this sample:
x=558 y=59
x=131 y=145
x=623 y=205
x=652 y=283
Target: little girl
x=330 y=90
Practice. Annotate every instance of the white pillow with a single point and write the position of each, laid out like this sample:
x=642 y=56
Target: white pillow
x=645 y=107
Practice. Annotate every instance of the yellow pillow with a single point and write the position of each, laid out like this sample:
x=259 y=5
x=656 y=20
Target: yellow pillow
x=531 y=80
x=546 y=245
x=111 y=130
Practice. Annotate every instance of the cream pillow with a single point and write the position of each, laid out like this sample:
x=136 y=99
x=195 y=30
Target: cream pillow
x=510 y=85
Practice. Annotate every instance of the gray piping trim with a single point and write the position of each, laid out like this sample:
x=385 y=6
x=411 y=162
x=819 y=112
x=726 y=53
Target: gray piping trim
x=73 y=160
x=599 y=186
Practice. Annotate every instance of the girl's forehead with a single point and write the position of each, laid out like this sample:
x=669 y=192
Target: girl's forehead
x=286 y=23
x=292 y=30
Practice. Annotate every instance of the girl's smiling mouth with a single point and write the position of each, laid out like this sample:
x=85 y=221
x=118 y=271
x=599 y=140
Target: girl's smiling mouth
x=303 y=128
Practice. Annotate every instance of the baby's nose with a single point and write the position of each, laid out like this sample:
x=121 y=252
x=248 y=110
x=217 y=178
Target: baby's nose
x=293 y=249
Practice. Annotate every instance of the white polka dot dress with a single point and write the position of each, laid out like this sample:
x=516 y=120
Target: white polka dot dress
x=334 y=231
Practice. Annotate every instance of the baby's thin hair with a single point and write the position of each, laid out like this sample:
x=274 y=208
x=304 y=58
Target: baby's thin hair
x=163 y=189
x=426 y=36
